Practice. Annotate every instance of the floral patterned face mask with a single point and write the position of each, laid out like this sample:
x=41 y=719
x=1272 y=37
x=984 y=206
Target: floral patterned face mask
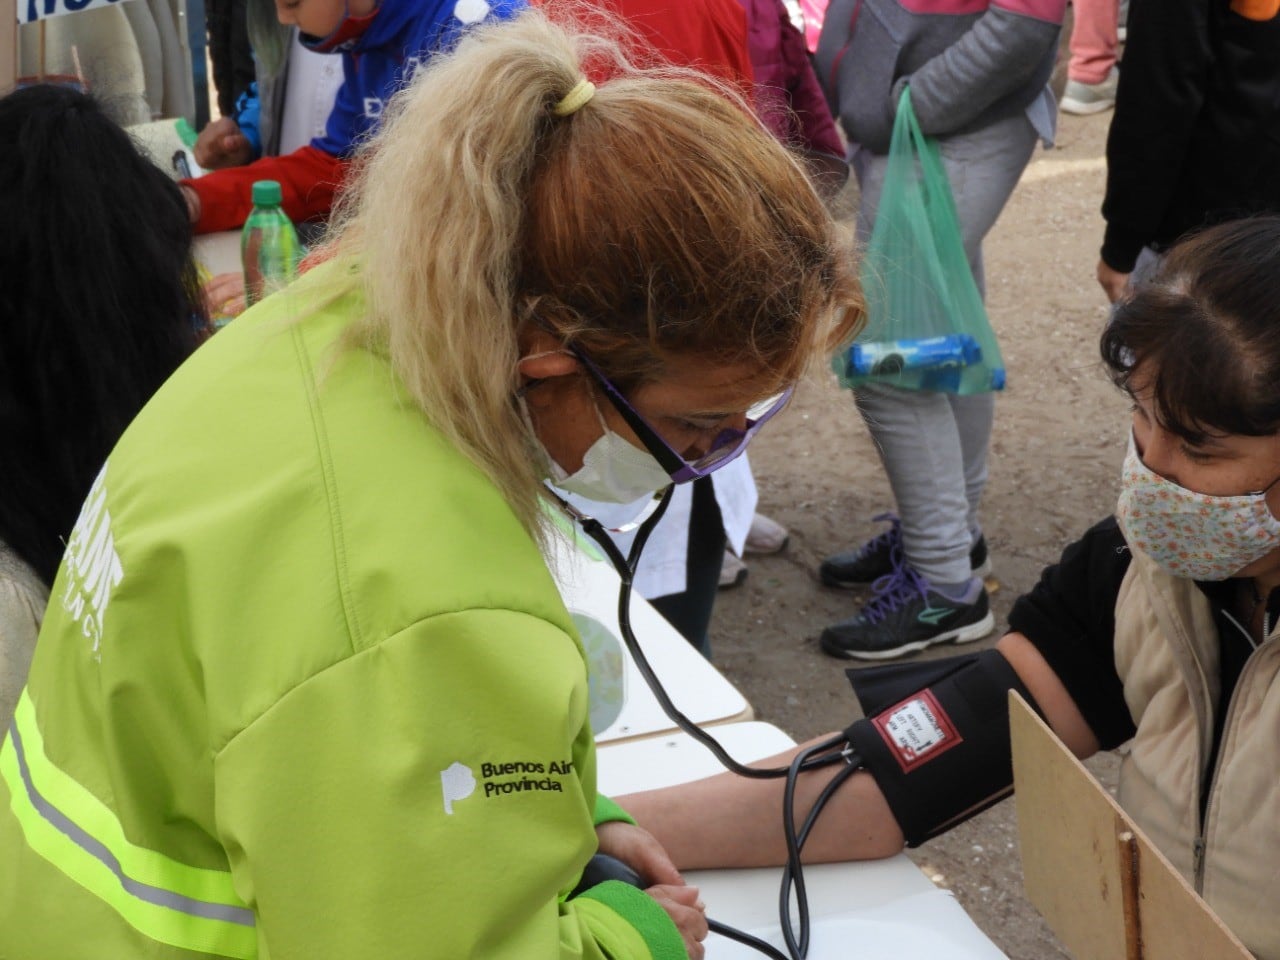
x=1189 y=534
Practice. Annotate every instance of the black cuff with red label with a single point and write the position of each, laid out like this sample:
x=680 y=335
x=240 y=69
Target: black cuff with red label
x=940 y=750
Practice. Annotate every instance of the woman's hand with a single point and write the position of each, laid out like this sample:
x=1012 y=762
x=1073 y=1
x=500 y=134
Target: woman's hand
x=1113 y=282
x=637 y=848
x=687 y=911
x=224 y=297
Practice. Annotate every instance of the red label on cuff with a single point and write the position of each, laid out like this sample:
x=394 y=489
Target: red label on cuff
x=917 y=730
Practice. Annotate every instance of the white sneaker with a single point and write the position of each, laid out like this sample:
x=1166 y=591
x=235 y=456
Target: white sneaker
x=1085 y=98
x=766 y=536
x=732 y=571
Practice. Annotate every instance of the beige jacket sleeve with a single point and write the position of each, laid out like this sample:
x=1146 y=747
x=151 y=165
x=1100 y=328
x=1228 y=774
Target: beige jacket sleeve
x=23 y=598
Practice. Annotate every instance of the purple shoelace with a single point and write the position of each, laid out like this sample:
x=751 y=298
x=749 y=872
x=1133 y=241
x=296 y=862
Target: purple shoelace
x=891 y=538
x=894 y=590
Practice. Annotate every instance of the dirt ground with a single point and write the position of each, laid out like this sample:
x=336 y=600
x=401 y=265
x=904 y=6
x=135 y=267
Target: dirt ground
x=1055 y=459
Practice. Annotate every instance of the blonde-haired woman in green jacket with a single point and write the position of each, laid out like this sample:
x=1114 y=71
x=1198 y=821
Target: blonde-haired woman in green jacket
x=306 y=687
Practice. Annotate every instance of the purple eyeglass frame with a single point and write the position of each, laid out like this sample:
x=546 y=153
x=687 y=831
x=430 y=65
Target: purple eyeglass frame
x=725 y=448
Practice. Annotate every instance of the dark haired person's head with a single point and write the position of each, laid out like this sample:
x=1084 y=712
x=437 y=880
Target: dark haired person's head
x=1204 y=330
x=1198 y=349
x=99 y=303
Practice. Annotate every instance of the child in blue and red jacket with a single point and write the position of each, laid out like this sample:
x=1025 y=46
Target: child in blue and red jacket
x=381 y=43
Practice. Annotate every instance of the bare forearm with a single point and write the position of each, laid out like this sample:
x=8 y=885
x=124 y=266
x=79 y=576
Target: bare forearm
x=1049 y=693
x=730 y=821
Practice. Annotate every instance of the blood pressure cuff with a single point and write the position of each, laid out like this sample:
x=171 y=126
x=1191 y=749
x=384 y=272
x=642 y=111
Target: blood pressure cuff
x=936 y=737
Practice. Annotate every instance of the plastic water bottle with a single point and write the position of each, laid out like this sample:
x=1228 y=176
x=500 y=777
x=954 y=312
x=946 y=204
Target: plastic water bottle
x=888 y=357
x=269 y=245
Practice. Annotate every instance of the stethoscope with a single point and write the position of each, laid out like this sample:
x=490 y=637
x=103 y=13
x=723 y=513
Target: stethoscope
x=834 y=750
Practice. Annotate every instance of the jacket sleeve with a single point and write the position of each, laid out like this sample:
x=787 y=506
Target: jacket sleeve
x=1069 y=616
x=607 y=811
x=309 y=179
x=817 y=129
x=432 y=794
x=1162 y=88
x=249 y=117
x=999 y=55
x=21 y=613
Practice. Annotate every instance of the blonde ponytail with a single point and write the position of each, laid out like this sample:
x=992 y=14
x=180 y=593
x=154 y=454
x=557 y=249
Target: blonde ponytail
x=473 y=170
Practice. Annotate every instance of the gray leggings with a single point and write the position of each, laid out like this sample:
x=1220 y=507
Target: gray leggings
x=934 y=445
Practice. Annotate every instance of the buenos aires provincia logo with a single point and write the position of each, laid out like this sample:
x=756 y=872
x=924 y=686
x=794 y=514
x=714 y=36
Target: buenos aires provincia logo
x=510 y=778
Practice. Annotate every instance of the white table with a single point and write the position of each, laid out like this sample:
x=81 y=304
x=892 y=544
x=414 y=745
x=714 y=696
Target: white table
x=674 y=757
x=874 y=910
x=589 y=587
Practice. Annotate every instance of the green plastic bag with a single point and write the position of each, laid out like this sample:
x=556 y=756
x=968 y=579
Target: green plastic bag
x=927 y=328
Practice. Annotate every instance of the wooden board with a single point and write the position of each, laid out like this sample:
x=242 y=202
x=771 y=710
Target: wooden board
x=1177 y=924
x=1102 y=886
x=1067 y=830
x=8 y=45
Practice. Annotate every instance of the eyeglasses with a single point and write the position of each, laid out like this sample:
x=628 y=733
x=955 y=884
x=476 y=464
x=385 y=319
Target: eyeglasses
x=726 y=447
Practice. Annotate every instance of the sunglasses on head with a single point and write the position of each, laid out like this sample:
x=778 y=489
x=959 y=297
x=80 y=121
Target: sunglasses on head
x=725 y=448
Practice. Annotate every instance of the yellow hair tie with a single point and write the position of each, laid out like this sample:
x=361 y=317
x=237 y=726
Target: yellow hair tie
x=575 y=99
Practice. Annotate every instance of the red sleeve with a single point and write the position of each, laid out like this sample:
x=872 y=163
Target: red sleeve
x=308 y=178
x=711 y=36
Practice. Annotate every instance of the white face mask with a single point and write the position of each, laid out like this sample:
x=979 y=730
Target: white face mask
x=1189 y=534
x=613 y=471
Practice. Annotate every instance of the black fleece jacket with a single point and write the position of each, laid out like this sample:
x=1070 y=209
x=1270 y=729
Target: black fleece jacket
x=1195 y=138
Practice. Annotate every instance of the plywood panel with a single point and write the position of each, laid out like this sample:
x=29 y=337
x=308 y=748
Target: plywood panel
x=8 y=45
x=1103 y=887
x=1176 y=923
x=1068 y=830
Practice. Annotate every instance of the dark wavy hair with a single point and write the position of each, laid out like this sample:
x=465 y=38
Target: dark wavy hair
x=99 y=303
x=1207 y=324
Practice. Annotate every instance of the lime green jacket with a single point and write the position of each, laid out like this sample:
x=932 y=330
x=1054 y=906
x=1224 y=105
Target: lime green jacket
x=305 y=689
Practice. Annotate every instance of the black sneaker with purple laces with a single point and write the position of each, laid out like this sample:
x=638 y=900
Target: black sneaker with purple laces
x=905 y=615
